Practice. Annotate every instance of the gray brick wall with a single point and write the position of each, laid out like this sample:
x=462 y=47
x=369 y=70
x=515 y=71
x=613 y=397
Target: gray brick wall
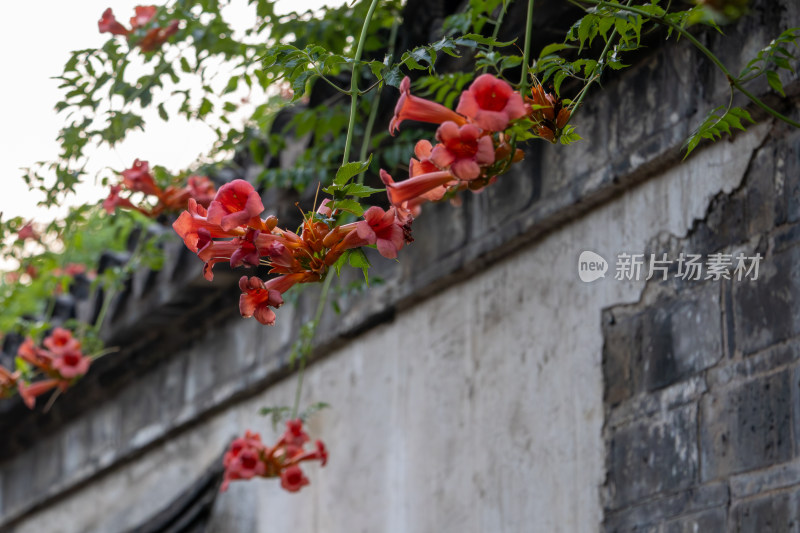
x=702 y=379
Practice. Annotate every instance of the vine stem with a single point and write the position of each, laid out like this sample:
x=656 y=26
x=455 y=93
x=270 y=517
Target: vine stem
x=496 y=30
x=594 y=77
x=373 y=113
x=526 y=53
x=306 y=348
x=348 y=143
x=110 y=292
x=708 y=53
x=323 y=298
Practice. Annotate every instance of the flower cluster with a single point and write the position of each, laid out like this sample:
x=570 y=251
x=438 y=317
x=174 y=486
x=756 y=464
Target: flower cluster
x=475 y=143
x=60 y=360
x=147 y=38
x=248 y=457
x=232 y=230
x=138 y=179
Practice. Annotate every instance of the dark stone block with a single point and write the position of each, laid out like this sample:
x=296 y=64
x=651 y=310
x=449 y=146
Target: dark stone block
x=767 y=310
x=788 y=168
x=687 y=506
x=621 y=349
x=653 y=456
x=776 y=513
x=681 y=337
x=746 y=427
x=760 y=193
x=708 y=522
x=724 y=226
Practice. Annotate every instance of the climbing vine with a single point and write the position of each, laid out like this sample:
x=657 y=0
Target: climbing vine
x=317 y=81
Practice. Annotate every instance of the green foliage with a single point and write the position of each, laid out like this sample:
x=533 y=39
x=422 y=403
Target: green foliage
x=773 y=58
x=84 y=234
x=715 y=125
x=282 y=413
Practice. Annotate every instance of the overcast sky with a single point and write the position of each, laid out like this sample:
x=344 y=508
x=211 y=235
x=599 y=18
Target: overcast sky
x=34 y=45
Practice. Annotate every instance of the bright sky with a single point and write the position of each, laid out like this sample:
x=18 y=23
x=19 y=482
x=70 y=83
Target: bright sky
x=34 y=45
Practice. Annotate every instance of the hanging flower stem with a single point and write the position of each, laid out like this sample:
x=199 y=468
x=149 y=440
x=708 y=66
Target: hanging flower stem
x=323 y=298
x=348 y=143
x=523 y=82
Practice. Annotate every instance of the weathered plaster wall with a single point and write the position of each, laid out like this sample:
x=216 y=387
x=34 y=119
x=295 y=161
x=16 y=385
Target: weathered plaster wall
x=479 y=409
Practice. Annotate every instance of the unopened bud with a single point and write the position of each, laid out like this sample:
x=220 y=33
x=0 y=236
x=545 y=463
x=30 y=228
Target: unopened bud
x=546 y=133
x=563 y=117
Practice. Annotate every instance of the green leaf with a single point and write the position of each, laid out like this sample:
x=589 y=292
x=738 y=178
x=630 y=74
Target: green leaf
x=22 y=365
x=348 y=170
x=339 y=264
x=774 y=81
x=358 y=259
x=351 y=206
x=553 y=48
x=360 y=191
x=232 y=85
x=488 y=41
x=715 y=125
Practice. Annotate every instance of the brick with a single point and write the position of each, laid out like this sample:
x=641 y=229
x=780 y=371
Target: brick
x=653 y=456
x=746 y=427
x=759 y=201
x=788 y=171
x=752 y=483
x=621 y=347
x=776 y=513
x=707 y=521
x=681 y=337
x=683 y=506
x=767 y=310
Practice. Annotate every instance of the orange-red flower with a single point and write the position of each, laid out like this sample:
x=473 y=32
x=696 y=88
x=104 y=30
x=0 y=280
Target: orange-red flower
x=8 y=381
x=406 y=195
x=248 y=457
x=462 y=151
x=32 y=354
x=142 y=15
x=243 y=460
x=258 y=297
x=108 y=23
x=293 y=479
x=191 y=221
x=71 y=364
x=491 y=103
x=201 y=189
x=382 y=229
x=62 y=359
x=410 y=107
x=423 y=164
x=138 y=178
x=235 y=204
x=27 y=232
x=154 y=38
x=114 y=200
x=30 y=391
x=61 y=341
